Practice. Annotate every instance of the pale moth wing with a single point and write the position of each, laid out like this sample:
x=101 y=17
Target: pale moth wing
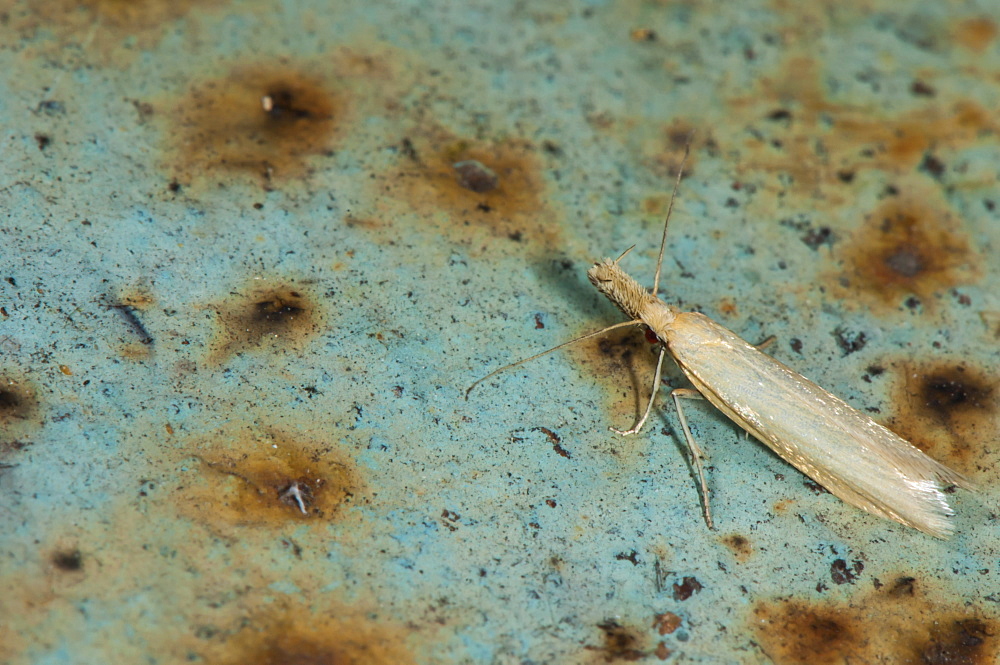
x=841 y=448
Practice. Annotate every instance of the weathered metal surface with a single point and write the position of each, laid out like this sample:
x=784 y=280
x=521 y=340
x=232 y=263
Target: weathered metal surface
x=245 y=287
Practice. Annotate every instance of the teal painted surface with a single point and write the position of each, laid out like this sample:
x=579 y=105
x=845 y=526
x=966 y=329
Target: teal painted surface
x=843 y=182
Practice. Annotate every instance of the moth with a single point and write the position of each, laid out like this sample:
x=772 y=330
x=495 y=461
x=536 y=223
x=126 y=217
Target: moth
x=858 y=460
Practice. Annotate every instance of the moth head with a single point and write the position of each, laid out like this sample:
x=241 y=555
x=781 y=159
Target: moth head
x=608 y=277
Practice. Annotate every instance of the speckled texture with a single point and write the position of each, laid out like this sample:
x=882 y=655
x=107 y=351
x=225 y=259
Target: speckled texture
x=238 y=260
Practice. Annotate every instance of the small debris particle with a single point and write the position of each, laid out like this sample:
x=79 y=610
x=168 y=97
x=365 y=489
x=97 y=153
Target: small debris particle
x=932 y=166
x=69 y=561
x=666 y=623
x=841 y=573
x=688 y=587
x=643 y=35
x=849 y=342
x=816 y=237
x=476 y=176
x=631 y=556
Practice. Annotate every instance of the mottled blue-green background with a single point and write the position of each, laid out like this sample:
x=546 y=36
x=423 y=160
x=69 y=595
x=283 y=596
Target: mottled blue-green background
x=206 y=303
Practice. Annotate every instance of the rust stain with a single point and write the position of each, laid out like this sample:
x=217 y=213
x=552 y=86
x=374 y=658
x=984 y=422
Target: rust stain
x=255 y=476
x=620 y=644
x=822 y=144
x=739 y=545
x=455 y=184
x=301 y=635
x=905 y=248
x=17 y=402
x=116 y=31
x=947 y=408
x=878 y=626
x=265 y=318
x=19 y=416
x=622 y=363
x=266 y=124
x=976 y=34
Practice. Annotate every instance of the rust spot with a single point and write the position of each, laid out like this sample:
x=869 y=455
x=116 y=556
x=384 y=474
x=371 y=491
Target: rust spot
x=906 y=249
x=493 y=185
x=687 y=588
x=115 y=30
x=264 y=477
x=17 y=402
x=264 y=123
x=670 y=151
x=338 y=636
x=621 y=644
x=739 y=545
x=19 y=415
x=623 y=363
x=948 y=409
x=823 y=138
x=69 y=561
x=877 y=626
x=976 y=34
x=277 y=318
x=960 y=641
x=794 y=632
x=666 y=623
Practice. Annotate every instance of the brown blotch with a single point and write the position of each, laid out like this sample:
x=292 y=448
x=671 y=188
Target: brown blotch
x=265 y=123
x=495 y=185
x=19 y=416
x=739 y=545
x=301 y=635
x=261 y=477
x=666 y=623
x=948 y=409
x=687 y=588
x=623 y=362
x=670 y=153
x=69 y=561
x=903 y=249
x=17 y=402
x=958 y=642
x=794 y=632
x=621 y=644
x=877 y=626
x=976 y=34
x=270 y=318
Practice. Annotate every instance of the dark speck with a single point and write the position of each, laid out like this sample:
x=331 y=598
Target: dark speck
x=850 y=342
x=69 y=561
x=932 y=166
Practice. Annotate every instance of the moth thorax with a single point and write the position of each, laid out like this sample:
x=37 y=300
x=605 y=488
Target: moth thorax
x=619 y=287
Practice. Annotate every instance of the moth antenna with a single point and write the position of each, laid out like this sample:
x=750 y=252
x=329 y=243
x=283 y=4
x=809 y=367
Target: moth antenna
x=548 y=351
x=623 y=254
x=673 y=195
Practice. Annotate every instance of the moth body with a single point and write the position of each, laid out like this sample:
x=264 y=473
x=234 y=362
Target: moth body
x=855 y=458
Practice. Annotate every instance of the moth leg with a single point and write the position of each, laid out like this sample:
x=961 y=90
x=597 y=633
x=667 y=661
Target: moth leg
x=652 y=397
x=695 y=451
